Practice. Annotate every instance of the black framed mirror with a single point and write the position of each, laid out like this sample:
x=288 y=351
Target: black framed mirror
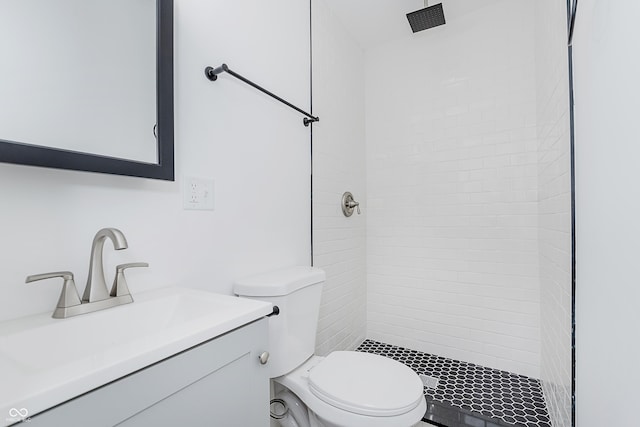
x=160 y=134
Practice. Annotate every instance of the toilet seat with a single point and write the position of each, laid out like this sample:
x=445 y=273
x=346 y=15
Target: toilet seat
x=366 y=384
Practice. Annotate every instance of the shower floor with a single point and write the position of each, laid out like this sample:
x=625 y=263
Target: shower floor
x=468 y=395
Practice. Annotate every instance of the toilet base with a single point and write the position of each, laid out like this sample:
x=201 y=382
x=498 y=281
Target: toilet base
x=295 y=416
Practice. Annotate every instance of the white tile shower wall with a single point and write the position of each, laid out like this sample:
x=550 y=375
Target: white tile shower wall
x=452 y=263
x=554 y=207
x=338 y=166
x=256 y=150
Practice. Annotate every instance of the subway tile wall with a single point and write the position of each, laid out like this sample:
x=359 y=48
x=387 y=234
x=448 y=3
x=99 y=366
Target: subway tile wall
x=554 y=186
x=339 y=243
x=452 y=217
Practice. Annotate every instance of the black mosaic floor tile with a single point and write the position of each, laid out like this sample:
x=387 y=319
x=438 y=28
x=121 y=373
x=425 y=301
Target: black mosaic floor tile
x=469 y=395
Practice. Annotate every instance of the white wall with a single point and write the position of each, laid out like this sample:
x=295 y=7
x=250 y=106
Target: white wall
x=607 y=149
x=256 y=150
x=554 y=207
x=338 y=166
x=452 y=252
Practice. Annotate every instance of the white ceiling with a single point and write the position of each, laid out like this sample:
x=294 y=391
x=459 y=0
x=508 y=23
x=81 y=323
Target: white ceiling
x=372 y=22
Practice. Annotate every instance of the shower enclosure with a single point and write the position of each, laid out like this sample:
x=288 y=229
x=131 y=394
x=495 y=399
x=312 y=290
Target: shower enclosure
x=463 y=248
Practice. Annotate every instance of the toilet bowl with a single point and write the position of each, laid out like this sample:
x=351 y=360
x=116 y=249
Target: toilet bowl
x=357 y=390
x=343 y=389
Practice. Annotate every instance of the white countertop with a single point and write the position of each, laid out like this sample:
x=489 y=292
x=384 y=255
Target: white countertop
x=45 y=361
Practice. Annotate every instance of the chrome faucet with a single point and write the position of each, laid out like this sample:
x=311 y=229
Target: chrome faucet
x=96 y=295
x=96 y=288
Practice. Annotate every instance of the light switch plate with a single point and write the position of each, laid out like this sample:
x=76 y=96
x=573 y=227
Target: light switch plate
x=197 y=193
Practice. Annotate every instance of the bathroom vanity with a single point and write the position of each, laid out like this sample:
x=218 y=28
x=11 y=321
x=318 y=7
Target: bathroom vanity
x=174 y=357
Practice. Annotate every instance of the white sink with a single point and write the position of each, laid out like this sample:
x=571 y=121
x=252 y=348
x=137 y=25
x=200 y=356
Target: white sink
x=45 y=361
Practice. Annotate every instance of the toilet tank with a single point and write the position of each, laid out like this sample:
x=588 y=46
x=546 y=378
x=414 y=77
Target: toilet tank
x=296 y=291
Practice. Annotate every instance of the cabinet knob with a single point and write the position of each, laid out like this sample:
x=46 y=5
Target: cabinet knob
x=264 y=357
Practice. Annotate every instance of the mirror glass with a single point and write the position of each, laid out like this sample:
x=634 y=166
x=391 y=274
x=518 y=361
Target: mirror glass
x=84 y=80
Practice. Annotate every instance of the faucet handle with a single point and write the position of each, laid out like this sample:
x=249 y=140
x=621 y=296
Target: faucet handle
x=120 y=287
x=69 y=295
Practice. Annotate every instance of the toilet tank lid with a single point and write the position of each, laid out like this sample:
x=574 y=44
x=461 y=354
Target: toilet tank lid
x=279 y=282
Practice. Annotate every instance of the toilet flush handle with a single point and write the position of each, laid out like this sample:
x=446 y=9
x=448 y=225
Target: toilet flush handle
x=264 y=357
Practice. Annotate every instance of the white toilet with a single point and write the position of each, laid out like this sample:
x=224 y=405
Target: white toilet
x=343 y=389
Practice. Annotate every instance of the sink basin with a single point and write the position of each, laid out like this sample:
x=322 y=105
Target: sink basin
x=45 y=361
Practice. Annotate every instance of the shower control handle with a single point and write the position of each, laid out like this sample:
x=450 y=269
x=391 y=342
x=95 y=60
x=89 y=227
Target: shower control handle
x=349 y=204
x=353 y=204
